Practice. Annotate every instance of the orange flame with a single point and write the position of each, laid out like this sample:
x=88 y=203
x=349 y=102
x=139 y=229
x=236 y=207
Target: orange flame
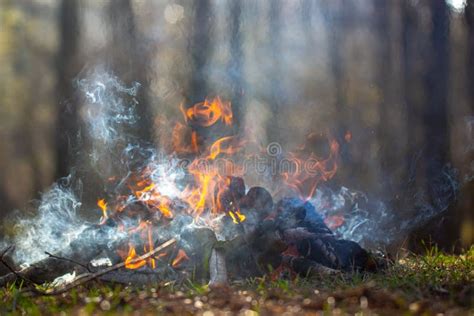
x=178 y=143
x=207 y=113
x=311 y=170
x=209 y=179
x=154 y=199
x=223 y=145
x=132 y=254
x=180 y=257
x=209 y=191
x=194 y=142
x=334 y=221
x=150 y=246
x=103 y=206
x=237 y=217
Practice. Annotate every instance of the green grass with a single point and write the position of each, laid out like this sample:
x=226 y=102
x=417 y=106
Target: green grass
x=429 y=284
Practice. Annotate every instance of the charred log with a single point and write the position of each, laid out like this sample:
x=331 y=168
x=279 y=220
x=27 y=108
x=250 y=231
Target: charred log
x=258 y=199
x=306 y=267
x=90 y=243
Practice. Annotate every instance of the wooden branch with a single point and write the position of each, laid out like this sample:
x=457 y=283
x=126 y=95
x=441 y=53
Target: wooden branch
x=88 y=245
x=89 y=277
x=10 y=268
x=67 y=259
x=4 y=252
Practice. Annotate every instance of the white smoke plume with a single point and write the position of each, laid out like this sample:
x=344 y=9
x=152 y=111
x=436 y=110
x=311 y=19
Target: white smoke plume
x=55 y=225
x=108 y=110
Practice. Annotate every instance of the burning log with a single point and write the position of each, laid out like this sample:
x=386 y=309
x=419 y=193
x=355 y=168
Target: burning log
x=294 y=225
x=306 y=267
x=92 y=276
x=289 y=233
x=222 y=231
x=315 y=240
x=144 y=276
x=30 y=272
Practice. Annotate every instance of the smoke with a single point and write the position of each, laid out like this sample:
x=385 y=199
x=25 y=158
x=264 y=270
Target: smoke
x=108 y=110
x=374 y=224
x=55 y=225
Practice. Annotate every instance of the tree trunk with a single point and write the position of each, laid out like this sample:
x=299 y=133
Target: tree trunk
x=235 y=66
x=67 y=121
x=130 y=62
x=408 y=60
x=436 y=86
x=277 y=95
x=336 y=21
x=200 y=50
x=442 y=227
x=383 y=74
x=469 y=15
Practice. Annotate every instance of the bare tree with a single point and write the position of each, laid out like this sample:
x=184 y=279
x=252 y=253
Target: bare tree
x=382 y=79
x=130 y=61
x=275 y=73
x=200 y=49
x=67 y=120
x=337 y=19
x=409 y=58
x=235 y=66
x=433 y=120
x=469 y=15
x=468 y=203
x=436 y=87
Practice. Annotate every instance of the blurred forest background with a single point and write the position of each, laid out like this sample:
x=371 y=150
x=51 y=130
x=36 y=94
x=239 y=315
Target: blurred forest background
x=398 y=75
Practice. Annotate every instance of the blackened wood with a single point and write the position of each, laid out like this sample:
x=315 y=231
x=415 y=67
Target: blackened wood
x=306 y=267
x=92 y=276
x=229 y=197
x=90 y=243
x=259 y=200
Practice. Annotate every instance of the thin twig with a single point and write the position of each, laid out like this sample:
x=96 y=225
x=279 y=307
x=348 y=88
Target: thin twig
x=89 y=277
x=12 y=270
x=4 y=252
x=69 y=260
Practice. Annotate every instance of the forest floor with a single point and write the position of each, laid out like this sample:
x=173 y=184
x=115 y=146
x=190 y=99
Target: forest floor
x=432 y=284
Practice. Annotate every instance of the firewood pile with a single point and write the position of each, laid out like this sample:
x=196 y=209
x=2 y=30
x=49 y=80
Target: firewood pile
x=284 y=237
x=212 y=228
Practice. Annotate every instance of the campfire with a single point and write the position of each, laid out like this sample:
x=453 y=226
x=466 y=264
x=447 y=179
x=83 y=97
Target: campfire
x=185 y=211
